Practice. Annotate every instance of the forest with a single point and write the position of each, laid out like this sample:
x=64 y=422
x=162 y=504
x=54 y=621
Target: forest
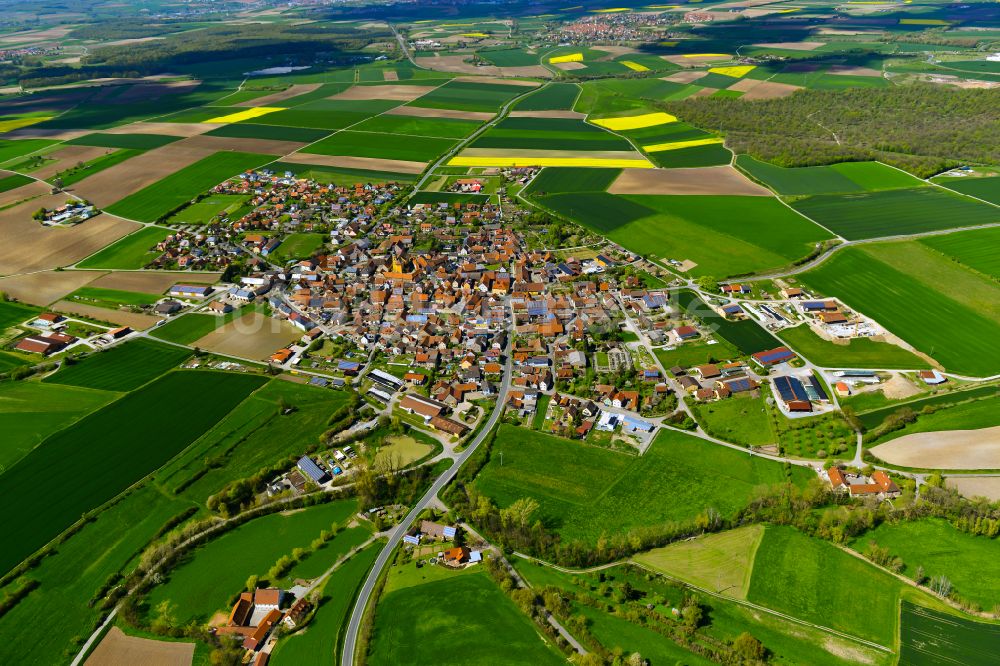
x=921 y=128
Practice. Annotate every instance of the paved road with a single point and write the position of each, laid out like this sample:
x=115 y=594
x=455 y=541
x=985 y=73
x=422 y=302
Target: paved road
x=396 y=536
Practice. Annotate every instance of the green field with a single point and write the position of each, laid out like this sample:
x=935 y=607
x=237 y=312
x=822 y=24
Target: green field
x=549 y=134
x=714 y=154
x=586 y=492
x=208 y=208
x=834 y=179
x=9 y=149
x=385 y=146
x=45 y=626
x=160 y=198
x=509 y=57
x=112 y=299
x=193 y=326
x=562 y=180
x=31 y=411
x=463 y=615
x=211 y=574
x=76 y=470
x=739 y=419
x=8 y=183
x=932 y=638
x=928 y=301
x=969 y=562
x=320 y=643
x=131 y=252
x=874 y=417
x=12 y=314
x=695 y=353
x=250 y=437
x=895 y=212
x=975 y=249
x=724 y=235
x=127 y=141
x=249 y=130
x=298 y=246
x=448 y=128
x=469 y=96
x=122 y=368
x=554 y=96
x=858 y=353
x=987 y=189
x=815 y=581
x=719 y=562
x=342 y=175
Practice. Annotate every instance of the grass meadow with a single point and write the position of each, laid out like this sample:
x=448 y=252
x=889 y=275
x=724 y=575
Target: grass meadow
x=987 y=189
x=122 y=368
x=204 y=582
x=970 y=562
x=465 y=615
x=739 y=419
x=815 y=581
x=320 y=643
x=975 y=249
x=555 y=96
x=973 y=415
x=933 y=304
x=720 y=562
x=839 y=178
x=12 y=314
x=586 y=492
x=76 y=470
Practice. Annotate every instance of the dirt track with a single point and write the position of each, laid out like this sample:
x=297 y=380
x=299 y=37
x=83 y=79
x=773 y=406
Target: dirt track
x=949 y=449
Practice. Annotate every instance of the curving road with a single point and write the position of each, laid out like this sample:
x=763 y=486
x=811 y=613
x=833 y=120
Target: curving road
x=396 y=536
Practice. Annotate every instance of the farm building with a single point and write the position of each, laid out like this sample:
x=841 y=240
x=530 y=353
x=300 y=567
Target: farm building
x=447 y=425
x=856 y=485
x=792 y=393
x=312 y=470
x=425 y=407
x=385 y=380
x=932 y=377
x=436 y=530
x=46 y=344
x=48 y=320
x=773 y=356
x=682 y=333
x=190 y=290
x=633 y=424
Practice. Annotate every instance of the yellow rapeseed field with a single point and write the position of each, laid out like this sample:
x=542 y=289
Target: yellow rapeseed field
x=572 y=57
x=11 y=124
x=615 y=163
x=635 y=122
x=634 y=66
x=736 y=71
x=611 y=10
x=675 y=145
x=246 y=114
x=475 y=34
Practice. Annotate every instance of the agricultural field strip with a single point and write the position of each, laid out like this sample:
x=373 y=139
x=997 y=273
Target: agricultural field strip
x=277 y=158
x=742 y=602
